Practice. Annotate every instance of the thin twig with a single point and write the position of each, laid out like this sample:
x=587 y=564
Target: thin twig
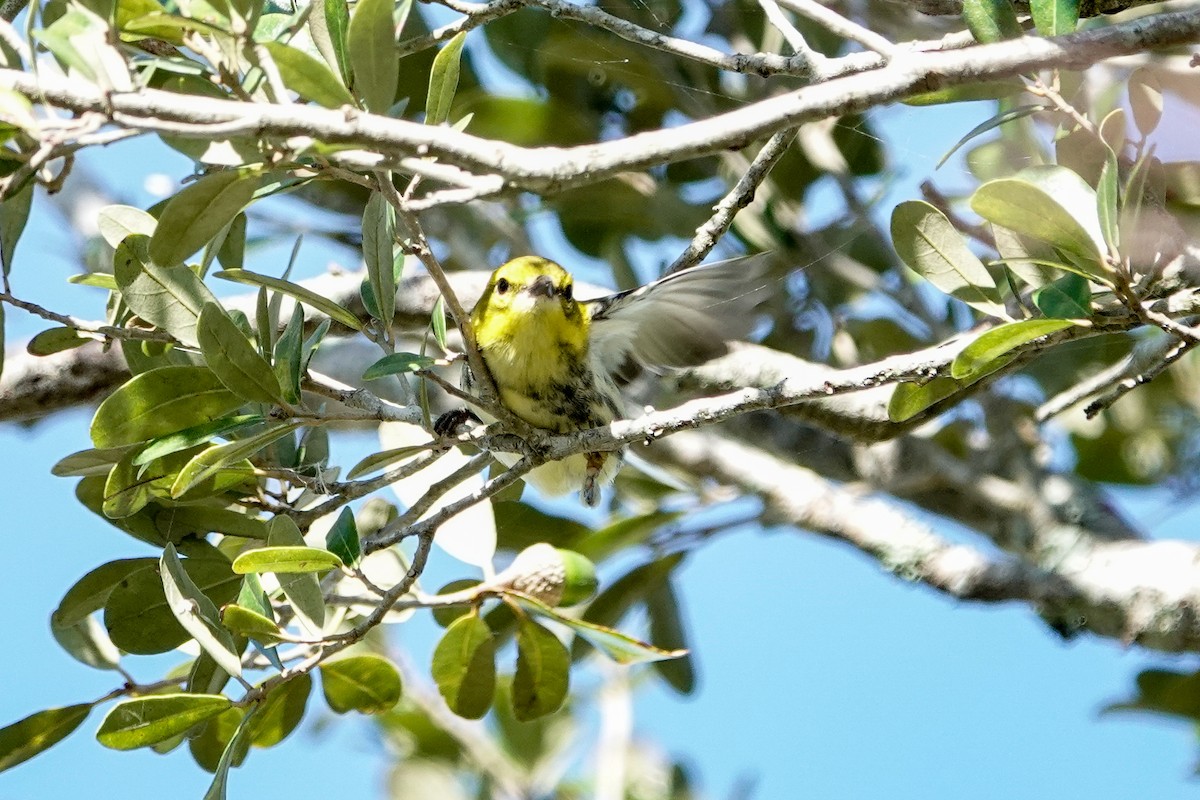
x=843 y=27
x=739 y=197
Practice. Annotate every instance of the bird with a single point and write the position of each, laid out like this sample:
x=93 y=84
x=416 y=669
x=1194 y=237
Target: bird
x=558 y=362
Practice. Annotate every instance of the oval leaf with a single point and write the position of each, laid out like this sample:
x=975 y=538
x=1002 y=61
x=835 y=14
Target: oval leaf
x=23 y=740
x=308 y=77
x=910 y=399
x=302 y=589
x=464 y=666
x=987 y=353
x=281 y=712
x=159 y=402
x=342 y=539
x=90 y=593
x=218 y=457
x=374 y=61
x=285 y=559
x=234 y=360
x=169 y=297
x=197 y=614
x=368 y=684
x=443 y=80
x=137 y=615
x=931 y=247
x=540 y=684
x=251 y=624
x=397 y=363
x=197 y=214
x=146 y=720
x=1049 y=203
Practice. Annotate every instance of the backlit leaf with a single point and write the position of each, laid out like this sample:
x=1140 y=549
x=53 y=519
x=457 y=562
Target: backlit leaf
x=931 y=247
x=234 y=360
x=222 y=456
x=308 y=77
x=197 y=614
x=464 y=666
x=169 y=297
x=159 y=402
x=146 y=720
x=369 y=684
x=285 y=559
x=988 y=352
x=280 y=712
x=137 y=615
x=540 y=684
x=371 y=46
x=197 y=214
x=342 y=539
x=38 y=732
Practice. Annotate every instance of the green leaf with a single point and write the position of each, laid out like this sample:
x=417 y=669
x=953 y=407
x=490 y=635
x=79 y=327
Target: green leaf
x=100 y=280
x=197 y=614
x=159 y=402
x=285 y=559
x=374 y=60
x=234 y=360
x=88 y=643
x=168 y=297
x=540 y=684
x=55 y=340
x=221 y=456
x=254 y=598
x=382 y=459
x=379 y=236
x=342 y=539
x=90 y=593
x=232 y=755
x=991 y=20
x=1069 y=297
x=288 y=356
x=443 y=80
x=137 y=615
x=251 y=624
x=931 y=247
x=668 y=632
x=125 y=491
x=1052 y=204
x=308 y=77
x=622 y=534
x=992 y=349
x=327 y=24
x=397 y=363
x=146 y=720
x=910 y=399
x=437 y=321
x=368 y=684
x=38 y=732
x=192 y=437
x=1107 y=201
x=620 y=647
x=197 y=214
x=464 y=666
x=1055 y=17
x=14 y=213
x=117 y=223
x=281 y=712
x=302 y=589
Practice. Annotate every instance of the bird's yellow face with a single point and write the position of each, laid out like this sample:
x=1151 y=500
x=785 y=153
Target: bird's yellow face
x=530 y=303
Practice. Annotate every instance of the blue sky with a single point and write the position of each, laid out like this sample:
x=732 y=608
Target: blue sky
x=821 y=676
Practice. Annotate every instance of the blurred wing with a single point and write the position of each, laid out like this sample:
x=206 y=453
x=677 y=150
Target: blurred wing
x=680 y=320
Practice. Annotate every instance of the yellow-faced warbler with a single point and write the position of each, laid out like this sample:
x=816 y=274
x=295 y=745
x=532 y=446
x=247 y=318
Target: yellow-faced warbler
x=555 y=359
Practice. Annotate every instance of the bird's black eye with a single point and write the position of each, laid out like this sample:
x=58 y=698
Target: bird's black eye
x=502 y=285
x=568 y=291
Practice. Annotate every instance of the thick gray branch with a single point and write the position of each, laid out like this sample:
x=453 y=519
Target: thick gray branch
x=1135 y=591
x=550 y=169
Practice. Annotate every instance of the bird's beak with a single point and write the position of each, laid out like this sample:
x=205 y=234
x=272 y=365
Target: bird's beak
x=542 y=286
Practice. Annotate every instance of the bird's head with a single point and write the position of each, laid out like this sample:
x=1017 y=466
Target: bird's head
x=526 y=289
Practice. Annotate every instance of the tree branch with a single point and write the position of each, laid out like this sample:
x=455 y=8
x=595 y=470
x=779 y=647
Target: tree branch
x=550 y=169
